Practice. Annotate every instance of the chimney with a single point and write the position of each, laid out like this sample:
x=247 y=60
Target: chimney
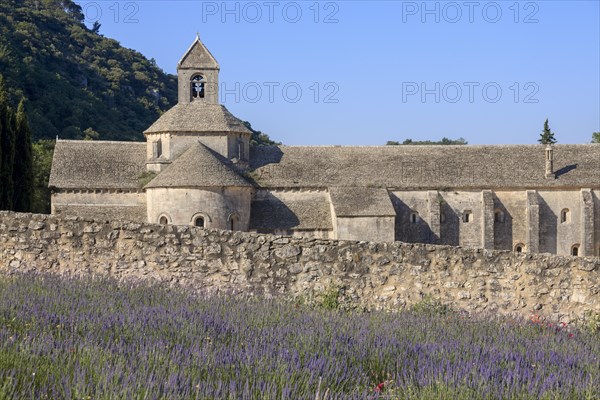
x=550 y=162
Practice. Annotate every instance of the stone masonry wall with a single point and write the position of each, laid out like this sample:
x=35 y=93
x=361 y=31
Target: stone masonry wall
x=369 y=275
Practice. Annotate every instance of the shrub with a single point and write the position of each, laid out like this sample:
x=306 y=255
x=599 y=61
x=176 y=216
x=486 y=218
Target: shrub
x=431 y=306
x=330 y=299
x=593 y=322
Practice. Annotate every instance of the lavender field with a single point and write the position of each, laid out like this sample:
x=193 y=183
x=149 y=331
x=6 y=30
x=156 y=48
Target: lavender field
x=94 y=339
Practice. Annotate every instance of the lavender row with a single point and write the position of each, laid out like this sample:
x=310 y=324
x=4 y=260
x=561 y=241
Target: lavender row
x=96 y=339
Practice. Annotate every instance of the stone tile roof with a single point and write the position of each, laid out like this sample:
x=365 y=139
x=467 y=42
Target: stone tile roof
x=425 y=167
x=198 y=54
x=79 y=164
x=198 y=166
x=118 y=165
x=198 y=117
x=361 y=202
x=269 y=213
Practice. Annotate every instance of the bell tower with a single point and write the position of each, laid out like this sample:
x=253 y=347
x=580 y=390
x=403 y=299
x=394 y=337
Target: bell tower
x=197 y=116
x=198 y=75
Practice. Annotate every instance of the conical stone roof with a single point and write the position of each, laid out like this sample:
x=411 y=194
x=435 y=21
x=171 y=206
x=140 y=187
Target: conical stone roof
x=198 y=167
x=198 y=117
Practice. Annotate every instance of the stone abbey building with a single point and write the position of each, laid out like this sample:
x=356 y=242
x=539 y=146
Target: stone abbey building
x=197 y=167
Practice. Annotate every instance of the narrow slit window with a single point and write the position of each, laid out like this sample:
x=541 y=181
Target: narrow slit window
x=241 y=150
x=233 y=222
x=467 y=216
x=157 y=149
x=414 y=217
x=565 y=216
x=499 y=216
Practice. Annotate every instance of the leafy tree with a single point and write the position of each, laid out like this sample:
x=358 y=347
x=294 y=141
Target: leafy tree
x=459 y=141
x=445 y=141
x=258 y=138
x=96 y=27
x=596 y=137
x=73 y=10
x=90 y=134
x=547 y=136
x=7 y=146
x=23 y=164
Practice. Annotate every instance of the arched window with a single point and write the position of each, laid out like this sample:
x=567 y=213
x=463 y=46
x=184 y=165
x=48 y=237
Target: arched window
x=467 y=216
x=575 y=250
x=519 y=248
x=201 y=220
x=498 y=216
x=198 y=87
x=163 y=220
x=234 y=220
x=414 y=217
x=565 y=216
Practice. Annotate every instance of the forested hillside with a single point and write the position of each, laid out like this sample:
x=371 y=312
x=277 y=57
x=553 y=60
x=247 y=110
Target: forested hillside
x=77 y=83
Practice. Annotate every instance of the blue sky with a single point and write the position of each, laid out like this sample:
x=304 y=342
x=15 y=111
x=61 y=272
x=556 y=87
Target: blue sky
x=362 y=73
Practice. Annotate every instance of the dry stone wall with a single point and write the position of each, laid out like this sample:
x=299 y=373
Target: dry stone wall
x=369 y=275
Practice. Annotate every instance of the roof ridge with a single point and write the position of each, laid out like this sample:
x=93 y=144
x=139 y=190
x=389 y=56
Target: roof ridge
x=437 y=146
x=100 y=141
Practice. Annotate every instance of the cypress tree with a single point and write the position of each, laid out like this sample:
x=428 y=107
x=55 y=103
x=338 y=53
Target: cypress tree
x=7 y=145
x=547 y=136
x=1 y=135
x=23 y=167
